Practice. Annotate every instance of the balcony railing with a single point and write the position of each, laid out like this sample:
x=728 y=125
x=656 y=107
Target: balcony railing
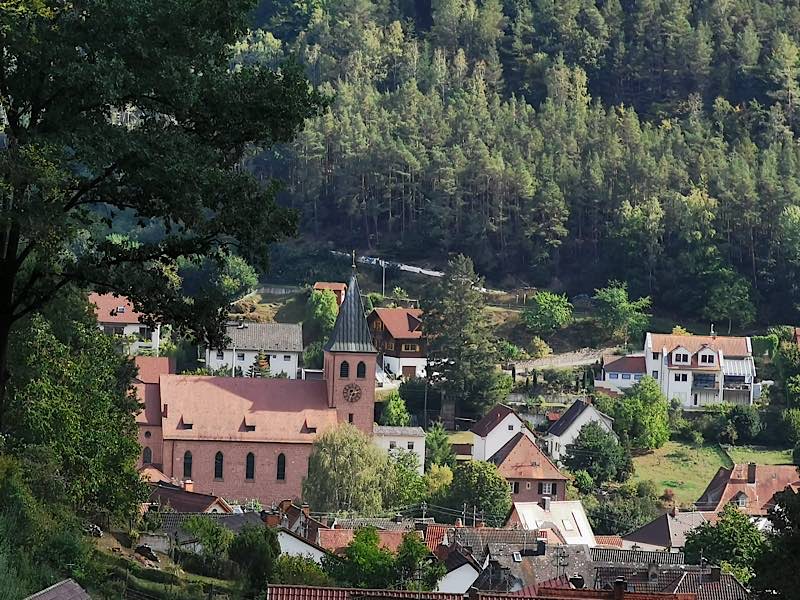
x=704 y=383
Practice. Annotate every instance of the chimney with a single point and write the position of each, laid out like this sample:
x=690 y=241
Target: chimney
x=541 y=547
x=398 y=518
x=751 y=472
x=284 y=505
x=188 y=485
x=545 y=503
x=481 y=523
x=715 y=574
x=620 y=587
x=164 y=412
x=674 y=511
x=305 y=509
x=459 y=523
x=273 y=519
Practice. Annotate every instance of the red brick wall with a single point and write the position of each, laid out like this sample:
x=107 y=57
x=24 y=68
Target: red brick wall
x=531 y=494
x=363 y=411
x=154 y=442
x=265 y=486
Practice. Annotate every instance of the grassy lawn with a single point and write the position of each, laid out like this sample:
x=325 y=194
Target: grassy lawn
x=684 y=469
x=760 y=455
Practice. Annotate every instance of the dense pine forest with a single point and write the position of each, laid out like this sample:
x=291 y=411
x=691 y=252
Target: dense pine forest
x=555 y=142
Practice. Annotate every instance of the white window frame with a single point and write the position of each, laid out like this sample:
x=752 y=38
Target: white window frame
x=547 y=488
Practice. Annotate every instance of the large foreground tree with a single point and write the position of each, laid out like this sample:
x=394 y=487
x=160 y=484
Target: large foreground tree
x=123 y=122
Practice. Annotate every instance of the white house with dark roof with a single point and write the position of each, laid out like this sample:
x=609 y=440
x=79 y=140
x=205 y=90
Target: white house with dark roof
x=700 y=370
x=406 y=439
x=495 y=430
x=563 y=432
x=281 y=342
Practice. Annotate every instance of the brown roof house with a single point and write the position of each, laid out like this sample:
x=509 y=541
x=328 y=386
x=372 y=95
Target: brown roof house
x=623 y=372
x=667 y=532
x=339 y=289
x=495 y=430
x=397 y=334
x=530 y=474
x=116 y=316
x=751 y=487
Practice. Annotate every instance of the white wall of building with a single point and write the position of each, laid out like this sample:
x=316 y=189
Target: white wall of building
x=395 y=365
x=293 y=547
x=557 y=446
x=402 y=442
x=283 y=362
x=132 y=331
x=623 y=380
x=511 y=425
x=458 y=581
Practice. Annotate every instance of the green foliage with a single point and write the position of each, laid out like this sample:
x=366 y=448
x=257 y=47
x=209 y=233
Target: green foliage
x=777 y=569
x=399 y=293
x=438 y=449
x=583 y=482
x=539 y=348
x=299 y=570
x=404 y=485
x=364 y=563
x=731 y=299
x=415 y=568
x=221 y=279
x=508 y=352
x=621 y=317
x=313 y=355
x=255 y=549
x=765 y=345
x=790 y=420
x=321 y=311
x=260 y=366
x=394 y=411
x=478 y=484
x=596 y=452
x=733 y=541
x=643 y=414
x=438 y=480
x=622 y=511
x=214 y=538
x=746 y=421
x=546 y=312
x=346 y=472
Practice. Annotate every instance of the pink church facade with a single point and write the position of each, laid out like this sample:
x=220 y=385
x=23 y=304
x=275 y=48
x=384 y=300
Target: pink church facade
x=246 y=438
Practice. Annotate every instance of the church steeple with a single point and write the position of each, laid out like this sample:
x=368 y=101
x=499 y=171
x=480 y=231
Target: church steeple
x=351 y=332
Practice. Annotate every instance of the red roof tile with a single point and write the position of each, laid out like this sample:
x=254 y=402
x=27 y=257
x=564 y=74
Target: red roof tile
x=107 y=309
x=491 y=420
x=730 y=346
x=336 y=540
x=281 y=410
x=434 y=534
x=521 y=458
x=401 y=323
x=626 y=364
x=729 y=484
x=152 y=367
x=301 y=592
x=182 y=501
x=148 y=395
x=608 y=540
x=330 y=285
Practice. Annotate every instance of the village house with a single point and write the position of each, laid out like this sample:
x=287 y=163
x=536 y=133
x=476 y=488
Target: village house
x=246 y=438
x=405 y=439
x=624 y=372
x=397 y=334
x=750 y=487
x=282 y=343
x=563 y=432
x=338 y=289
x=495 y=430
x=183 y=499
x=116 y=316
x=667 y=531
x=530 y=474
x=702 y=370
x=567 y=518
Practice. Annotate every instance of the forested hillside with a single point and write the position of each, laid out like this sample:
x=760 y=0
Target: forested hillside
x=652 y=141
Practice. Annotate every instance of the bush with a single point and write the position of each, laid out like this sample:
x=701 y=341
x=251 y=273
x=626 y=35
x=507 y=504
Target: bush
x=791 y=426
x=746 y=420
x=547 y=312
x=796 y=455
x=539 y=348
x=559 y=380
x=765 y=345
x=583 y=482
x=696 y=438
x=219 y=568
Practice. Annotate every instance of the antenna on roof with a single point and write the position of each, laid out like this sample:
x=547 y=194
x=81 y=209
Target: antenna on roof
x=713 y=333
x=354 y=260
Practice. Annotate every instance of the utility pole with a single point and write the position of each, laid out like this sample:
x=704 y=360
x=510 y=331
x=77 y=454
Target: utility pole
x=464 y=513
x=383 y=284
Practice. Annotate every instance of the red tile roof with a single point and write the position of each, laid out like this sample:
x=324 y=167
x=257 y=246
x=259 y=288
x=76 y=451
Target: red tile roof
x=729 y=484
x=626 y=364
x=148 y=395
x=106 y=309
x=152 y=367
x=521 y=458
x=491 y=420
x=153 y=475
x=281 y=410
x=302 y=592
x=608 y=540
x=434 y=534
x=330 y=285
x=401 y=323
x=730 y=346
x=336 y=540
x=184 y=502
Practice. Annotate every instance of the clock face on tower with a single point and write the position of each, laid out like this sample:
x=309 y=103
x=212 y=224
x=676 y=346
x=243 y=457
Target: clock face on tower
x=352 y=392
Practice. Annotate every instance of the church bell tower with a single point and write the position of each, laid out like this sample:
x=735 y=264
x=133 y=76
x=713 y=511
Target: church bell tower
x=349 y=364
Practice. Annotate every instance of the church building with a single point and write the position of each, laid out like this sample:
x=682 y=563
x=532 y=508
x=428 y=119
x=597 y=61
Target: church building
x=248 y=438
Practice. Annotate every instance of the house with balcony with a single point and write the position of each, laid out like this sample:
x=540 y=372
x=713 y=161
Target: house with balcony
x=701 y=370
x=397 y=334
x=116 y=316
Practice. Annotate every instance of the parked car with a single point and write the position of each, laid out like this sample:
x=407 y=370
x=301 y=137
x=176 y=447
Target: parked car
x=147 y=552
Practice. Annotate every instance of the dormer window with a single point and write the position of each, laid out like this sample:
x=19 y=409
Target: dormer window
x=680 y=357
x=706 y=359
x=120 y=310
x=249 y=427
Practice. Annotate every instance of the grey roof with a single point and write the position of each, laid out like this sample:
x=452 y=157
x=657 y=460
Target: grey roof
x=273 y=337
x=568 y=418
x=743 y=367
x=173 y=522
x=385 y=524
x=398 y=431
x=616 y=555
x=478 y=539
x=63 y=590
x=667 y=530
x=351 y=332
x=676 y=579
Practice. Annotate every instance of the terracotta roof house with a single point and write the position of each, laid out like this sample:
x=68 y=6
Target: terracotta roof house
x=563 y=432
x=282 y=343
x=63 y=590
x=699 y=370
x=609 y=541
x=624 y=371
x=183 y=500
x=339 y=289
x=117 y=316
x=250 y=438
x=148 y=420
x=336 y=540
x=666 y=532
x=398 y=336
x=495 y=430
x=296 y=519
x=531 y=475
x=751 y=487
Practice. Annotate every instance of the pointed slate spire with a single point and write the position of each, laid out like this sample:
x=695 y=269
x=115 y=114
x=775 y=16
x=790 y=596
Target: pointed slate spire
x=351 y=332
